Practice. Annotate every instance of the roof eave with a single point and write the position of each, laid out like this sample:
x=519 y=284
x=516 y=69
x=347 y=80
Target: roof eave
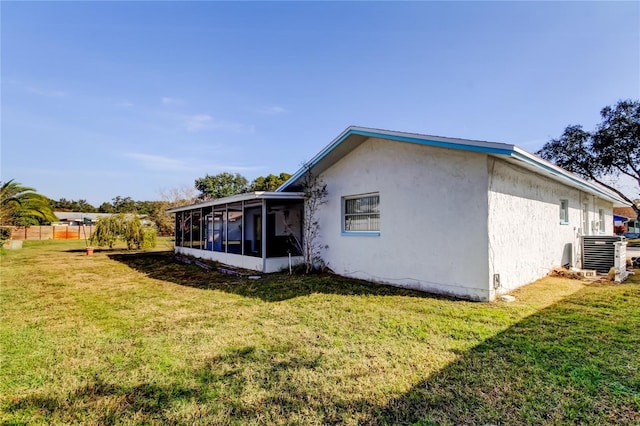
x=249 y=196
x=567 y=177
x=437 y=141
x=491 y=148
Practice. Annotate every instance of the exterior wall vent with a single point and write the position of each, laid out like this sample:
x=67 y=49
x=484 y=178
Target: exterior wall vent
x=599 y=252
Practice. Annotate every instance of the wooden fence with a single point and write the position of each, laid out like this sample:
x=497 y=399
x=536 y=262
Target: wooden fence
x=51 y=232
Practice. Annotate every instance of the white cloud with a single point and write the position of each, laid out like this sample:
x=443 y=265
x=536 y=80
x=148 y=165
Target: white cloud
x=124 y=104
x=272 y=110
x=158 y=162
x=200 y=122
x=47 y=93
x=166 y=100
x=196 y=123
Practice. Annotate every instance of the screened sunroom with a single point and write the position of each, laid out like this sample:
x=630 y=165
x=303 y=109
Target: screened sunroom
x=261 y=231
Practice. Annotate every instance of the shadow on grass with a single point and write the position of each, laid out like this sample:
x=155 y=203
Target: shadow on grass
x=270 y=288
x=103 y=402
x=576 y=362
x=218 y=390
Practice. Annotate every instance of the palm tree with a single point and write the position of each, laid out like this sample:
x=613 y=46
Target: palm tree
x=22 y=206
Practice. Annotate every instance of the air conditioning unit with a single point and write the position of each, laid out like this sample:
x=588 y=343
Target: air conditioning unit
x=599 y=252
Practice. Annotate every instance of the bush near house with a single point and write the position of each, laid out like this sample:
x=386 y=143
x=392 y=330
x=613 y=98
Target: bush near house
x=138 y=338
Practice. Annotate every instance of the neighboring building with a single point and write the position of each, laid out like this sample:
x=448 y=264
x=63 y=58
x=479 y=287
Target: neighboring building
x=629 y=218
x=460 y=217
x=78 y=218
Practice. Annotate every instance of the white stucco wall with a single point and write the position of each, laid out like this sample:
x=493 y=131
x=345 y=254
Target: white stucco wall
x=526 y=238
x=433 y=209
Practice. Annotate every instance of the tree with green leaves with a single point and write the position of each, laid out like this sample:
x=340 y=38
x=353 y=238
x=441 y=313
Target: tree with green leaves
x=270 y=182
x=23 y=206
x=126 y=227
x=155 y=211
x=119 y=205
x=221 y=185
x=106 y=207
x=81 y=205
x=613 y=148
x=124 y=205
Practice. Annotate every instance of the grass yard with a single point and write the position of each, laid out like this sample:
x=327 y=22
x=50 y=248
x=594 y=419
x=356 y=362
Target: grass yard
x=137 y=338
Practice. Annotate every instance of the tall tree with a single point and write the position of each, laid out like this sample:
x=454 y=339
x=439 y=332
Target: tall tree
x=221 y=185
x=22 y=206
x=613 y=148
x=270 y=182
x=119 y=205
x=106 y=207
x=124 y=205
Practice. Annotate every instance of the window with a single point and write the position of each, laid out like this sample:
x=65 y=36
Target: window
x=564 y=212
x=362 y=213
x=601 y=221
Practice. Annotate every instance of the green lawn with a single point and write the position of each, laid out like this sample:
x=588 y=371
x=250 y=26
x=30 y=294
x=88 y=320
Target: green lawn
x=137 y=338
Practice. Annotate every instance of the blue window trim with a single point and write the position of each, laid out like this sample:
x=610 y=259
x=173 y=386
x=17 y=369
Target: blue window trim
x=360 y=233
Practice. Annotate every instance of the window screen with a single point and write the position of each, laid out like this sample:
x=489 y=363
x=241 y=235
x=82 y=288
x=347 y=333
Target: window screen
x=362 y=213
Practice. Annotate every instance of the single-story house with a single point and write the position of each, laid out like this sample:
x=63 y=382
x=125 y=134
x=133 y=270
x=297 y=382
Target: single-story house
x=466 y=218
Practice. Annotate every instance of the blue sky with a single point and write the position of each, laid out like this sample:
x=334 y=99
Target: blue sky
x=106 y=99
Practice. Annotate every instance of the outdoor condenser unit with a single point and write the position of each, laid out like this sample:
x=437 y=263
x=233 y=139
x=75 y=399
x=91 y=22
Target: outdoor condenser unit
x=599 y=252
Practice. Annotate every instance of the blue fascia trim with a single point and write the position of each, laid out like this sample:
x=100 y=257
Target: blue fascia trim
x=313 y=161
x=567 y=178
x=420 y=141
x=430 y=142
x=360 y=233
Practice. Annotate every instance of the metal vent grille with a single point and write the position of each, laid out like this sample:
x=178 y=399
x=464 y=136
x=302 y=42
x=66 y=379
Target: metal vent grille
x=598 y=252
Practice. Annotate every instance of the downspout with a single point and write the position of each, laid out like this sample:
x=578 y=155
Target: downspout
x=225 y=222
x=264 y=235
x=182 y=228
x=242 y=230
